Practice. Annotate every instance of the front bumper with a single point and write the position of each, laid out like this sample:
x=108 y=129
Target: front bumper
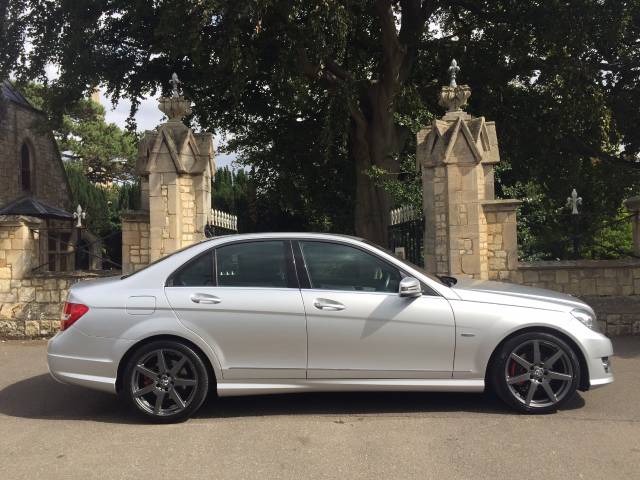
x=598 y=350
x=79 y=359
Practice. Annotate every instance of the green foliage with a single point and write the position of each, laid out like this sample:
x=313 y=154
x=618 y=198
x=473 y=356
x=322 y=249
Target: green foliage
x=106 y=153
x=565 y=95
x=405 y=188
x=102 y=203
x=233 y=193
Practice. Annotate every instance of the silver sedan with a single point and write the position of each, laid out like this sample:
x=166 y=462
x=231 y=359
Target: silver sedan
x=280 y=313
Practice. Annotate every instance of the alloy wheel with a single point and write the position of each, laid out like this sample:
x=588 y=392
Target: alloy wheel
x=539 y=373
x=164 y=382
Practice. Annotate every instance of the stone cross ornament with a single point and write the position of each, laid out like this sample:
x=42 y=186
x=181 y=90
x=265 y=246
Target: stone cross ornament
x=573 y=202
x=79 y=215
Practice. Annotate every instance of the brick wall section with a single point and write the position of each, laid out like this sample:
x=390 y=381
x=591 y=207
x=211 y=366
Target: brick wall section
x=611 y=287
x=34 y=306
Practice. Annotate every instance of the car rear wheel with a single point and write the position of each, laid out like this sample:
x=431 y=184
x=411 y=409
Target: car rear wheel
x=165 y=381
x=535 y=372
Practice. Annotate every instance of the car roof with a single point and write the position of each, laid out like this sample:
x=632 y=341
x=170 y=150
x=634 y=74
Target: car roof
x=256 y=235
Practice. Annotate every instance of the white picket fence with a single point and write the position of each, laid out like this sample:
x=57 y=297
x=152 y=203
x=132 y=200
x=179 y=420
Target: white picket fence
x=403 y=214
x=224 y=220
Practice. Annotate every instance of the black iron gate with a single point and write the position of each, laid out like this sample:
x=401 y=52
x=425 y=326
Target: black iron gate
x=406 y=233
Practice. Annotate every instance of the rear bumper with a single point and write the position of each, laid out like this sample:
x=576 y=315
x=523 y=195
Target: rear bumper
x=79 y=359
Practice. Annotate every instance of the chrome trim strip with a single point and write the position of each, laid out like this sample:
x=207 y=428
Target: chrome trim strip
x=260 y=386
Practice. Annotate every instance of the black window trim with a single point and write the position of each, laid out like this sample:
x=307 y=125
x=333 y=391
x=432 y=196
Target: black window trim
x=306 y=281
x=292 y=276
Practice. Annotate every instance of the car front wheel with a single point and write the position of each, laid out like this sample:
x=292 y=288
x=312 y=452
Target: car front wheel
x=165 y=381
x=535 y=372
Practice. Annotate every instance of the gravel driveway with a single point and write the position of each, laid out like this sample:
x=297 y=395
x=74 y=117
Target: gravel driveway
x=52 y=431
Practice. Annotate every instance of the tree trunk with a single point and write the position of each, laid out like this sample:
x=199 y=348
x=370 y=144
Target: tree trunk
x=372 y=206
x=373 y=143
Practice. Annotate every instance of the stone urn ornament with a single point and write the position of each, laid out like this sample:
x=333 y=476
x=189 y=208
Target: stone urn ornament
x=175 y=107
x=453 y=97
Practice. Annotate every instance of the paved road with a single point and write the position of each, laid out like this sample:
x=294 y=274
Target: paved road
x=52 y=431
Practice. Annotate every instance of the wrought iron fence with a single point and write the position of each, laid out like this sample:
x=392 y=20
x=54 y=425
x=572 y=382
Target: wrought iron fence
x=406 y=233
x=221 y=223
x=74 y=252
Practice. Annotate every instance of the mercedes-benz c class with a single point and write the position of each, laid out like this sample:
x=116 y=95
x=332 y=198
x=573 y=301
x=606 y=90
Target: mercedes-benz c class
x=280 y=313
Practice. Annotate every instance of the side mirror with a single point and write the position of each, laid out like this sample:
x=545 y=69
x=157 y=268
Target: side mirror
x=410 y=287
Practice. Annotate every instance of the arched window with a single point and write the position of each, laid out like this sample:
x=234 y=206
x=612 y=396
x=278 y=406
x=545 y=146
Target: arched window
x=25 y=168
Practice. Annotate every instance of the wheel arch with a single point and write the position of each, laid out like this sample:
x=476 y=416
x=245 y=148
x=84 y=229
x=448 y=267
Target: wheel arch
x=176 y=338
x=583 y=384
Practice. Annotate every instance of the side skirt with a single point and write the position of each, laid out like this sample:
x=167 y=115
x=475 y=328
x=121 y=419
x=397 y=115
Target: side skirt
x=230 y=388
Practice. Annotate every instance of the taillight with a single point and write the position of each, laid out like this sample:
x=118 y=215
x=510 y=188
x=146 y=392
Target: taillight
x=71 y=313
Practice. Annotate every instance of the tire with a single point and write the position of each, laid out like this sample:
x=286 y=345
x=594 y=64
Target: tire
x=527 y=381
x=165 y=381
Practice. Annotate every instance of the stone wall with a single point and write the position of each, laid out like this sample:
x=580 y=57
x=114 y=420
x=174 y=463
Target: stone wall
x=18 y=251
x=20 y=124
x=502 y=242
x=32 y=307
x=611 y=287
x=135 y=240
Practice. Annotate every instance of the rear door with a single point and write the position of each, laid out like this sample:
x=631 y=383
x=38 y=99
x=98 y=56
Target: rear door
x=243 y=299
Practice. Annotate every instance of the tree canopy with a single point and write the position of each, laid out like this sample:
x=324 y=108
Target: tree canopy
x=105 y=152
x=322 y=97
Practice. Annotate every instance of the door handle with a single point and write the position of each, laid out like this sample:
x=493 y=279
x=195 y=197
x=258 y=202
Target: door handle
x=326 y=304
x=204 y=298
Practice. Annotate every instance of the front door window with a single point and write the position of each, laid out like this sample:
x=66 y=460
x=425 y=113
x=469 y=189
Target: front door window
x=334 y=266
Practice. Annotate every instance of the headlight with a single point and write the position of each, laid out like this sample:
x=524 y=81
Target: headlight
x=587 y=319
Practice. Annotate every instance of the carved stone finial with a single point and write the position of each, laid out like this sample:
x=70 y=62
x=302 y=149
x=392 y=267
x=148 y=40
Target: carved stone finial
x=79 y=215
x=573 y=202
x=453 y=71
x=174 y=85
x=176 y=107
x=453 y=97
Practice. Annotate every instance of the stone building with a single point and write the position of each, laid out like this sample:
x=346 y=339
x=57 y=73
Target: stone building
x=35 y=198
x=37 y=230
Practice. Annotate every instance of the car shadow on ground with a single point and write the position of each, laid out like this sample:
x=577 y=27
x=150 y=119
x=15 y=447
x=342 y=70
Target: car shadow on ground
x=40 y=397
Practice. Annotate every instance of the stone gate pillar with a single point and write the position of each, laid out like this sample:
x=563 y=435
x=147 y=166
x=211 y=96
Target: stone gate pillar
x=176 y=166
x=467 y=231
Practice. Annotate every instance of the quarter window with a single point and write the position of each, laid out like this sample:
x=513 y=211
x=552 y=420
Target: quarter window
x=333 y=266
x=253 y=264
x=195 y=273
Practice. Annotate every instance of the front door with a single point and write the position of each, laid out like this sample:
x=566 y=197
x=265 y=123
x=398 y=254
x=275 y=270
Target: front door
x=358 y=325
x=244 y=301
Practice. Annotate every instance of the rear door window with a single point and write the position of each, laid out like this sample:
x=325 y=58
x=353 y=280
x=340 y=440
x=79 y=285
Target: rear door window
x=263 y=264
